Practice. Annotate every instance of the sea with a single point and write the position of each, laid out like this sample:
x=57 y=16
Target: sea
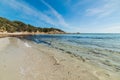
x=102 y=49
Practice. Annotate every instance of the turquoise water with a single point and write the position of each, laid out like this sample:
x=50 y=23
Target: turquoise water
x=100 y=49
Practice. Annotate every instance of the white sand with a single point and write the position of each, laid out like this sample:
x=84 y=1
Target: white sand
x=24 y=60
x=3 y=43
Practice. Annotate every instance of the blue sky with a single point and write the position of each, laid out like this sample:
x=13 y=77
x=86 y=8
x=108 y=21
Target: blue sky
x=85 y=16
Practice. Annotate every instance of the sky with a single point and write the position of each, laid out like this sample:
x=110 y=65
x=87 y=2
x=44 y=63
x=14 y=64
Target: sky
x=84 y=16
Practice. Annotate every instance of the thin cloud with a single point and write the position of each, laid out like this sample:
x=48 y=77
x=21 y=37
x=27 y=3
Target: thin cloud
x=56 y=14
x=29 y=10
x=105 y=9
x=113 y=29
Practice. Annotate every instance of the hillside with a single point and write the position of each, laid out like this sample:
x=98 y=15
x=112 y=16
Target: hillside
x=18 y=26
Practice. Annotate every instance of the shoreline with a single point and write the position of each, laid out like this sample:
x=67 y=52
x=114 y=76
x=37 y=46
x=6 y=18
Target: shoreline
x=12 y=34
x=38 y=62
x=18 y=34
x=24 y=34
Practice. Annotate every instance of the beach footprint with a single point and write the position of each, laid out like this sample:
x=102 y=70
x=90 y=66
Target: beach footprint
x=102 y=75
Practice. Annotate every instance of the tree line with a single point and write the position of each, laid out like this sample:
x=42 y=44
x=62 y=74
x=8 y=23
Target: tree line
x=18 y=26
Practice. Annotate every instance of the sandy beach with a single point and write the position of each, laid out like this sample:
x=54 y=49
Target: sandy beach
x=18 y=34
x=26 y=60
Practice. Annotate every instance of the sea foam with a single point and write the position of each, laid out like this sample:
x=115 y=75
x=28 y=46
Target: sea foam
x=27 y=45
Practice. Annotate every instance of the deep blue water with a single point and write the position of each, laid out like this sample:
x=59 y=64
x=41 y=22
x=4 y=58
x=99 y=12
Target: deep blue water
x=102 y=49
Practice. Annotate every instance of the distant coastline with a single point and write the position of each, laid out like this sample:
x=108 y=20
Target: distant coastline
x=3 y=34
x=8 y=28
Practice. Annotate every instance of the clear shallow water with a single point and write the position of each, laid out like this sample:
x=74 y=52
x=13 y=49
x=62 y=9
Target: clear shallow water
x=101 y=49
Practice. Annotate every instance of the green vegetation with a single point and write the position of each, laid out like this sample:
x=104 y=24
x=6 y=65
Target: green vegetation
x=18 y=26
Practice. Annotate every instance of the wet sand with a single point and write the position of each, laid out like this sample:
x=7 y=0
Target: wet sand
x=25 y=60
